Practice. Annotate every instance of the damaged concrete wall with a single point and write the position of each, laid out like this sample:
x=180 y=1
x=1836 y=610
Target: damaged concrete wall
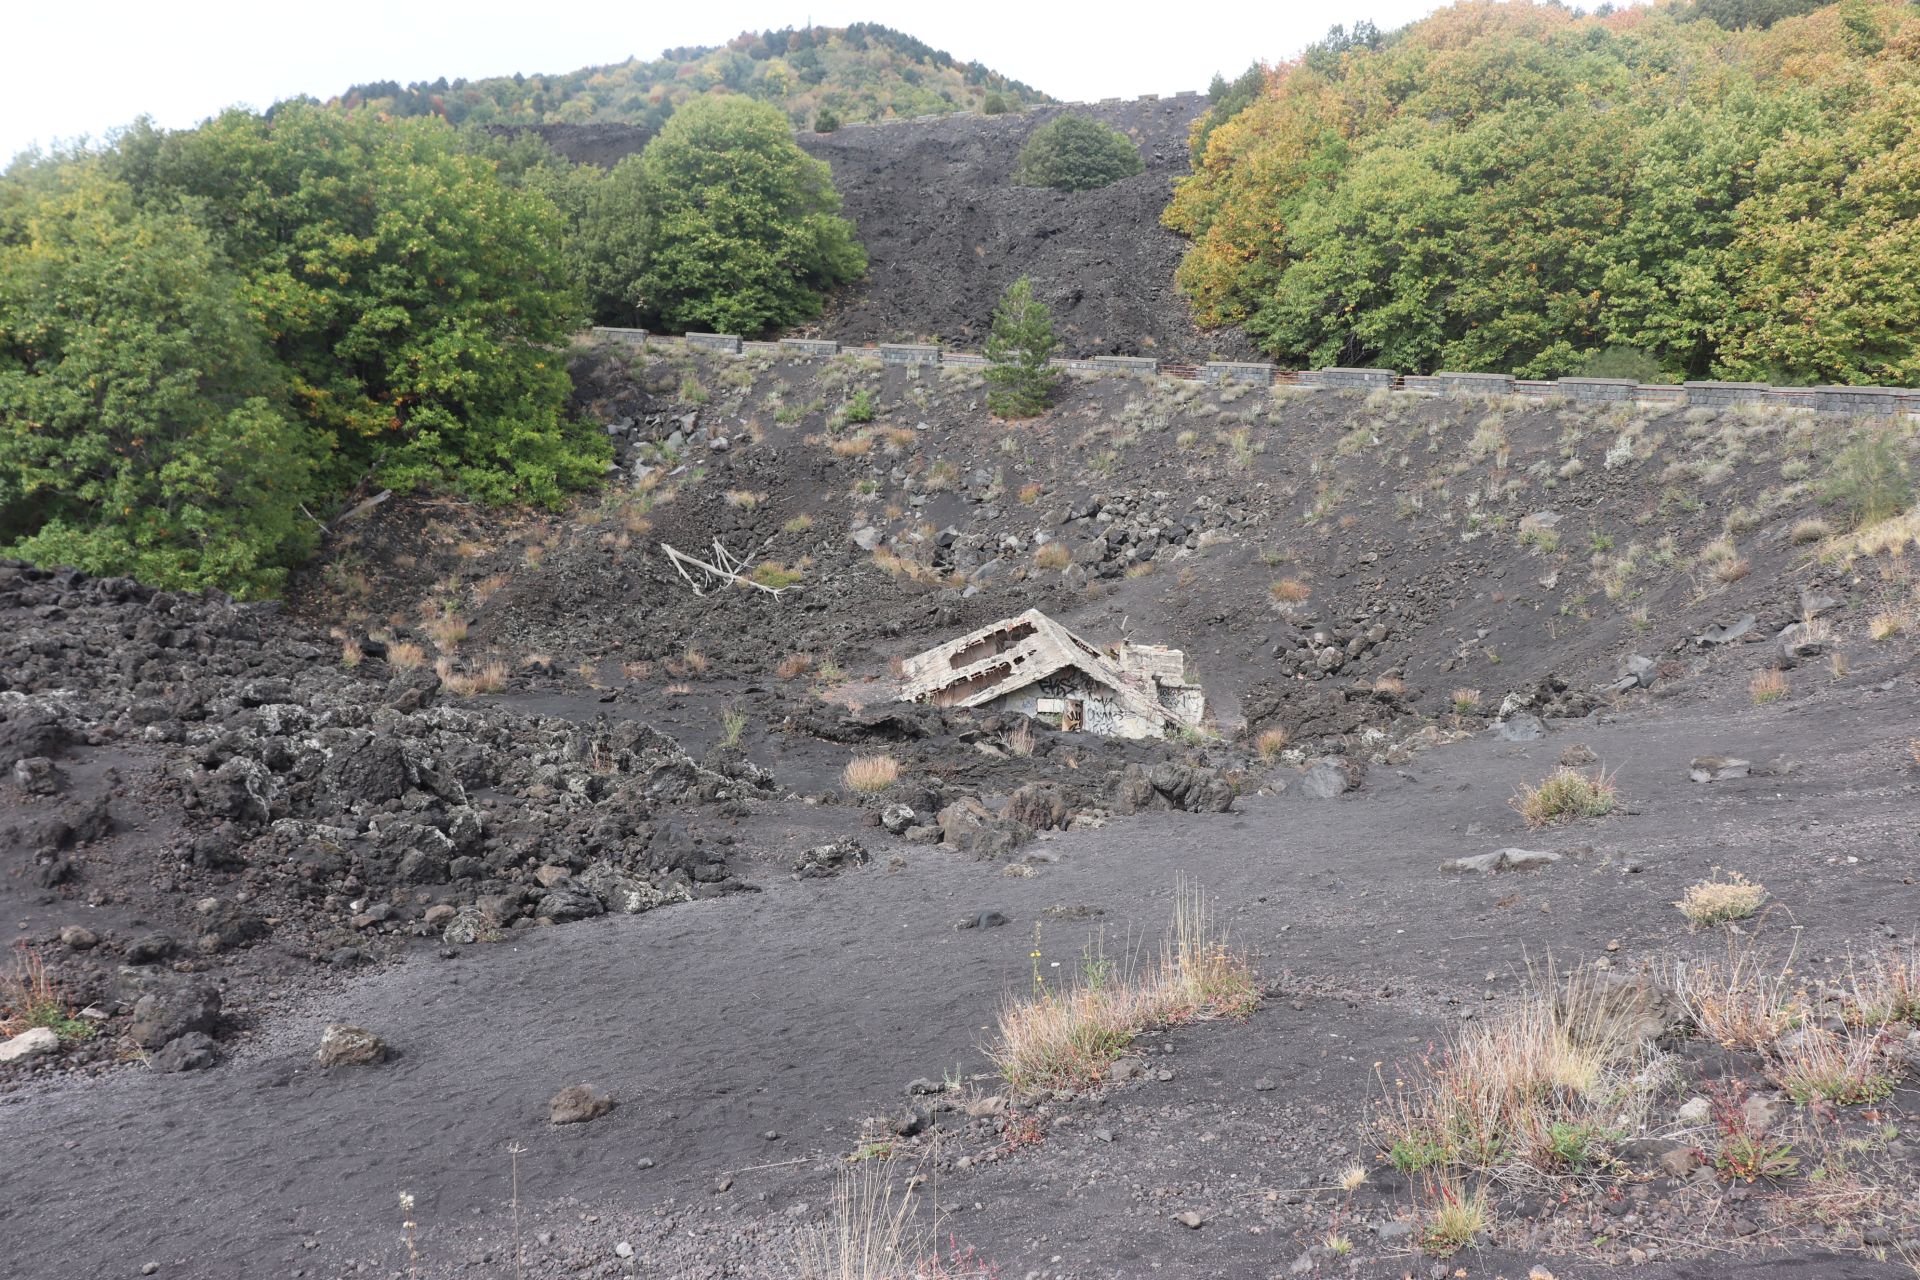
x=1094 y=704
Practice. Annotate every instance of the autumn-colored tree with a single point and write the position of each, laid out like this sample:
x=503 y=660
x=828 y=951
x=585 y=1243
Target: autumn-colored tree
x=1727 y=189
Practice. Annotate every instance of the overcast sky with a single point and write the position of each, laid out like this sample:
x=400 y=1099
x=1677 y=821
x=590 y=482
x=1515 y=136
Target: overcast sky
x=82 y=68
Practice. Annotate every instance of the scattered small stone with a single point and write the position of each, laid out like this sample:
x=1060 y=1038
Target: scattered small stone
x=1189 y=1219
x=1575 y=754
x=1126 y=1069
x=1718 y=768
x=1264 y=1084
x=723 y=1184
x=982 y=920
x=193 y=1051
x=342 y=1045
x=1695 y=1110
x=1503 y=860
x=644 y=1162
x=923 y=1086
x=150 y=1269
x=30 y=1043
x=79 y=937
x=771 y=1135
x=579 y=1103
x=623 y=1250
x=1523 y=727
x=1393 y=1230
x=1103 y=1135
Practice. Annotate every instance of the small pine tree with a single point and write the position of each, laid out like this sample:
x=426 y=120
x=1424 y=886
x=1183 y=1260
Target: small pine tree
x=1020 y=381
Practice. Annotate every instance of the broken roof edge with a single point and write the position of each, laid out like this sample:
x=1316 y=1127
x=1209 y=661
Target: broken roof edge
x=1054 y=643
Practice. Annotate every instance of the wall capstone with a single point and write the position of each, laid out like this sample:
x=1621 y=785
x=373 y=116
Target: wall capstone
x=909 y=353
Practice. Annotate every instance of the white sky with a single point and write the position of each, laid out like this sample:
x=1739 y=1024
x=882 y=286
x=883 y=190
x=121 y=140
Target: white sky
x=87 y=66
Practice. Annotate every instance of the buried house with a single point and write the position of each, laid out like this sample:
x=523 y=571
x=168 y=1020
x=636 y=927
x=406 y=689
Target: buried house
x=1033 y=665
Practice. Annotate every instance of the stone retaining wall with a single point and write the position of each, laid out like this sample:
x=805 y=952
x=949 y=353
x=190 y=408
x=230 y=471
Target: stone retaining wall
x=1857 y=401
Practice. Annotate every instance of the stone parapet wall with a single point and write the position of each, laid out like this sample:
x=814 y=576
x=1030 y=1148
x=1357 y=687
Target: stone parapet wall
x=1855 y=401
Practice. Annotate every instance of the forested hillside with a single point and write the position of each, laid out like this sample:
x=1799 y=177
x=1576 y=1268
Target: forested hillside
x=861 y=72
x=1724 y=189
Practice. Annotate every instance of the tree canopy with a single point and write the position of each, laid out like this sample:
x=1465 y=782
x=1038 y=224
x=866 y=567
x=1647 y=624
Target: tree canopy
x=1075 y=153
x=142 y=421
x=860 y=72
x=721 y=223
x=204 y=332
x=1722 y=189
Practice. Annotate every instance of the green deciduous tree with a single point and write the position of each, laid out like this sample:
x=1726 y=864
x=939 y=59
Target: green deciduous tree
x=141 y=429
x=415 y=299
x=1019 y=379
x=1074 y=153
x=745 y=233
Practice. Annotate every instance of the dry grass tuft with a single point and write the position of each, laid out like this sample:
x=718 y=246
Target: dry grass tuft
x=1029 y=493
x=1741 y=1002
x=872 y=1234
x=1456 y=1220
x=1814 y=530
x=1290 y=591
x=743 y=499
x=405 y=655
x=1563 y=795
x=1465 y=701
x=1270 y=743
x=351 y=654
x=1390 y=684
x=1068 y=1035
x=1021 y=742
x=1886 y=625
x=868 y=774
x=490 y=678
x=793 y=666
x=447 y=630
x=1054 y=555
x=485 y=589
x=1768 y=686
x=1814 y=1064
x=1545 y=1084
x=1713 y=901
x=799 y=524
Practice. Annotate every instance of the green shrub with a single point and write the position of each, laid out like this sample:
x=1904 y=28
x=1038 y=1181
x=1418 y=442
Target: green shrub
x=1074 y=153
x=141 y=423
x=825 y=120
x=995 y=105
x=1019 y=380
x=860 y=407
x=1869 y=480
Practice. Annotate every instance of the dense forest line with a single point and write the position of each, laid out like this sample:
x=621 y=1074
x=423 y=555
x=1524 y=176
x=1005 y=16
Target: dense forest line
x=815 y=74
x=1729 y=188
